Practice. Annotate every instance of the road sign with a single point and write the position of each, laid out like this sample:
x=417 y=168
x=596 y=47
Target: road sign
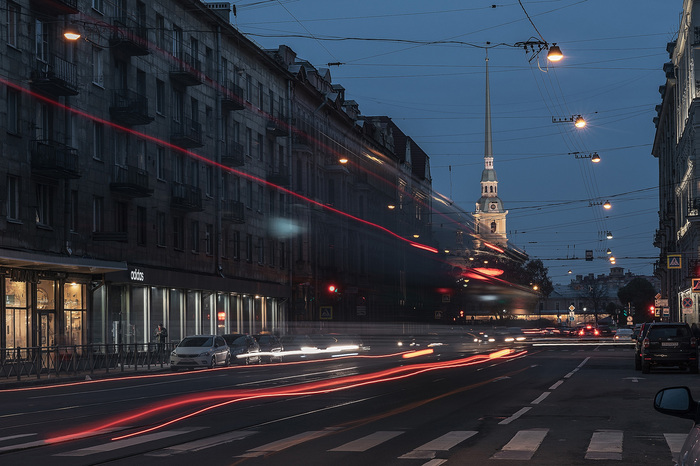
x=687 y=302
x=673 y=261
x=326 y=312
x=696 y=285
x=572 y=308
x=629 y=320
x=661 y=303
x=666 y=311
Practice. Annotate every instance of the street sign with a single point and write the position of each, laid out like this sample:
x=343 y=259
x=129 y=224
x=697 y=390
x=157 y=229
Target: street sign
x=572 y=308
x=661 y=303
x=696 y=285
x=629 y=320
x=326 y=312
x=687 y=302
x=673 y=261
x=666 y=311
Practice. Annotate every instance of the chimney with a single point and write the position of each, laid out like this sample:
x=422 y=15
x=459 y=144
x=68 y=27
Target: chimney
x=223 y=9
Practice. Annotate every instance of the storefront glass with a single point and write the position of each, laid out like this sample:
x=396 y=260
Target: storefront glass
x=137 y=311
x=206 y=312
x=222 y=314
x=74 y=312
x=18 y=317
x=175 y=332
x=192 y=313
x=159 y=310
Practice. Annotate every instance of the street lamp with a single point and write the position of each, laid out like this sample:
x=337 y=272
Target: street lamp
x=577 y=120
x=554 y=53
x=595 y=158
x=607 y=205
x=71 y=33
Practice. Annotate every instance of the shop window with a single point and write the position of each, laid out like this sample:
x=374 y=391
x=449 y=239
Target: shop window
x=17 y=316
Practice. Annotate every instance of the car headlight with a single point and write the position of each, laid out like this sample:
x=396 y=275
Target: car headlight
x=173 y=354
x=205 y=353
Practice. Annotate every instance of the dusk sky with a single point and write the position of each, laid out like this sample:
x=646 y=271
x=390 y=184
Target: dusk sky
x=423 y=64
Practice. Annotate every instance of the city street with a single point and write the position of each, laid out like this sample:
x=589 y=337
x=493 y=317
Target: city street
x=547 y=402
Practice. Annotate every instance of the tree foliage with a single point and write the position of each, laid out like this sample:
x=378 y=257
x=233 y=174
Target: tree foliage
x=640 y=293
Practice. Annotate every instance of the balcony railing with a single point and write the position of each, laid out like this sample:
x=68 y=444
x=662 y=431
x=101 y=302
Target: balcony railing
x=129 y=108
x=55 y=76
x=232 y=154
x=232 y=98
x=186 y=197
x=279 y=178
x=233 y=211
x=129 y=37
x=186 y=70
x=130 y=181
x=54 y=160
x=56 y=7
x=187 y=134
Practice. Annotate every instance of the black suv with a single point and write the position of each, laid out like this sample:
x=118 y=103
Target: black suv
x=669 y=344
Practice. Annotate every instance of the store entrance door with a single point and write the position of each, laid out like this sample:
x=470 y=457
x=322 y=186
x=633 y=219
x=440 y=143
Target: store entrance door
x=47 y=336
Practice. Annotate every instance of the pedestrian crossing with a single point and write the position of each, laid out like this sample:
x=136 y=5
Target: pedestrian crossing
x=523 y=446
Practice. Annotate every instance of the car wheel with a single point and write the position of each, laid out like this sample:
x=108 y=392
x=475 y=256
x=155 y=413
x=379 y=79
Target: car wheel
x=646 y=368
x=227 y=362
x=212 y=362
x=637 y=363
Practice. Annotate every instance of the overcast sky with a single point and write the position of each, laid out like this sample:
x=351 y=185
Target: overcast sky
x=422 y=64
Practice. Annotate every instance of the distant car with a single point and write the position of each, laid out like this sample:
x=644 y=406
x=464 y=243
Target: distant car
x=623 y=334
x=589 y=330
x=270 y=347
x=669 y=344
x=244 y=348
x=200 y=351
x=678 y=401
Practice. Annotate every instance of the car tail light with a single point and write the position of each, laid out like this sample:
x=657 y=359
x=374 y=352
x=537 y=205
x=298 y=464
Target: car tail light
x=646 y=343
x=596 y=332
x=581 y=332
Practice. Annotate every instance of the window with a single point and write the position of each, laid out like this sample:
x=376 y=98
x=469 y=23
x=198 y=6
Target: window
x=260 y=147
x=209 y=182
x=160 y=97
x=261 y=251
x=141 y=154
x=121 y=149
x=273 y=249
x=74 y=209
x=331 y=192
x=236 y=239
x=209 y=120
x=44 y=205
x=249 y=194
x=160 y=229
x=178 y=105
x=249 y=248
x=97 y=140
x=272 y=202
x=98 y=77
x=282 y=254
x=209 y=239
x=179 y=233
x=13 y=111
x=41 y=41
x=12 y=24
x=194 y=235
x=209 y=58
x=141 y=228
x=281 y=205
x=98 y=5
x=12 y=198
x=224 y=244
x=98 y=222
x=261 y=94
x=261 y=198
x=160 y=163
x=177 y=42
x=121 y=217
x=249 y=88
x=160 y=31
x=249 y=142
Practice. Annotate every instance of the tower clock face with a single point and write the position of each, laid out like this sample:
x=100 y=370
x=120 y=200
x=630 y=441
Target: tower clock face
x=493 y=206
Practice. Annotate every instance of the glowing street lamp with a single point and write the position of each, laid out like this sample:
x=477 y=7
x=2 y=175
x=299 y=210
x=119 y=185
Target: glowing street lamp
x=554 y=54
x=607 y=205
x=71 y=33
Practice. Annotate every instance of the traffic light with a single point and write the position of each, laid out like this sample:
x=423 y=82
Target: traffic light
x=652 y=310
x=333 y=288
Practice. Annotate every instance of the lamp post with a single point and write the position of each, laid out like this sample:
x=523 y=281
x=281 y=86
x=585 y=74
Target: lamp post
x=606 y=205
x=595 y=158
x=577 y=120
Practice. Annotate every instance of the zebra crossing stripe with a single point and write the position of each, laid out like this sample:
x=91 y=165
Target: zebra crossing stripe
x=675 y=444
x=369 y=441
x=284 y=443
x=119 y=444
x=442 y=443
x=522 y=446
x=605 y=445
x=203 y=444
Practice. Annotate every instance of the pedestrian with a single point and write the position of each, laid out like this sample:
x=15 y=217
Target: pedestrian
x=161 y=338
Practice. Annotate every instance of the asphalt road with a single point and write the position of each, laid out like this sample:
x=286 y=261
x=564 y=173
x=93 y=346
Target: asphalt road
x=462 y=404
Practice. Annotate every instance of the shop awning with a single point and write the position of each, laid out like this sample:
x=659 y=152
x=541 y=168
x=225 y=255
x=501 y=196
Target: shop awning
x=37 y=261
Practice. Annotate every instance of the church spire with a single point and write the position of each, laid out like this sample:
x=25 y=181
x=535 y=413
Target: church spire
x=488 y=148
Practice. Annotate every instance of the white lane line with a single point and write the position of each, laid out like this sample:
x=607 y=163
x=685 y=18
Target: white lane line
x=556 y=385
x=11 y=437
x=436 y=462
x=516 y=415
x=442 y=443
x=540 y=398
x=369 y=441
x=288 y=442
x=522 y=446
x=605 y=445
x=571 y=373
x=39 y=443
x=203 y=444
x=111 y=446
x=675 y=443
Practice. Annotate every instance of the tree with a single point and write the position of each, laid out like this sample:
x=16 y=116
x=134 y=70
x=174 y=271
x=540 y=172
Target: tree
x=596 y=293
x=639 y=292
x=537 y=272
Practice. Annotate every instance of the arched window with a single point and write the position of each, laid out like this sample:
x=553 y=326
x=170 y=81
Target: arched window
x=491 y=188
x=493 y=227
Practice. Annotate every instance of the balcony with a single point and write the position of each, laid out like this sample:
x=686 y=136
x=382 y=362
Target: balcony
x=55 y=160
x=129 y=38
x=131 y=182
x=186 y=71
x=276 y=128
x=56 y=7
x=186 y=197
x=187 y=134
x=233 y=211
x=129 y=108
x=232 y=155
x=55 y=76
x=279 y=178
x=232 y=98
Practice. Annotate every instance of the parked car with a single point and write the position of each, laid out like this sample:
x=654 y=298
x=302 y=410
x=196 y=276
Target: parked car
x=669 y=344
x=200 y=351
x=244 y=348
x=678 y=401
x=270 y=347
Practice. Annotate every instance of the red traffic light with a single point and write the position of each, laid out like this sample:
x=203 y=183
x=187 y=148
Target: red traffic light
x=652 y=310
x=332 y=288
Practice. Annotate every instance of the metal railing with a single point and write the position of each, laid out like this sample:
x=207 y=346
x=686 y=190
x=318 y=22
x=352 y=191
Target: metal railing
x=54 y=361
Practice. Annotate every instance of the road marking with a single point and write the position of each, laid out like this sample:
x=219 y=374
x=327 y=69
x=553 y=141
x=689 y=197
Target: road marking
x=516 y=415
x=202 y=444
x=12 y=437
x=288 y=442
x=442 y=443
x=540 y=398
x=522 y=446
x=556 y=385
x=111 y=446
x=675 y=444
x=605 y=445
x=369 y=441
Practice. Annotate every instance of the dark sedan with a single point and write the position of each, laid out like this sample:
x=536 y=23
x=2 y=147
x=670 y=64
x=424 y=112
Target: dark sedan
x=244 y=348
x=270 y=347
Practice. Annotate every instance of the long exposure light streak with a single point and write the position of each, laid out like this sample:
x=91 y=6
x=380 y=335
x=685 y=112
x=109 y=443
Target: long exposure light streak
x=206 y=160
x=222 y=398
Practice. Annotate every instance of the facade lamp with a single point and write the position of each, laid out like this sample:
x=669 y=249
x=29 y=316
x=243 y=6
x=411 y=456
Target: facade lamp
x=391 y=207
x=71 y=33
x=554 y=54
x=607 y=205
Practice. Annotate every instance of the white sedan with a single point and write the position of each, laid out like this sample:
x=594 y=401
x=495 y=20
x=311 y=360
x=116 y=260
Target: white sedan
x=200 y=351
